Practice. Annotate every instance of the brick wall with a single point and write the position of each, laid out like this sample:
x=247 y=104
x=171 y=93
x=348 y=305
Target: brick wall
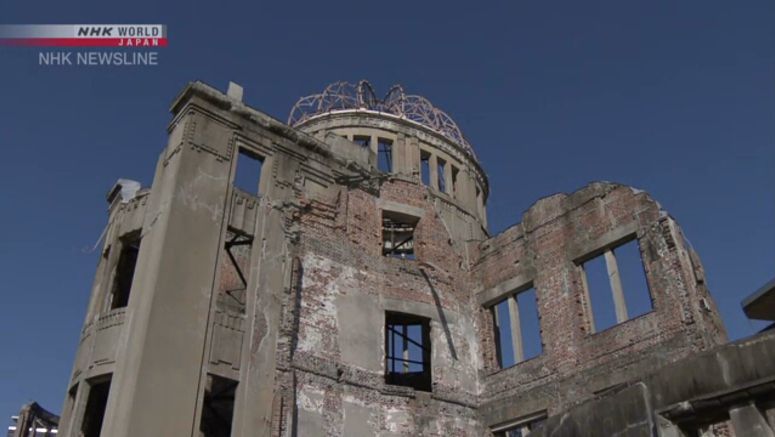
x=545 y=248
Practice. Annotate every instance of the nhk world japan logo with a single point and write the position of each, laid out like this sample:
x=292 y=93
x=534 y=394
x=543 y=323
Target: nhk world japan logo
x=84 y=35
x=116 y=44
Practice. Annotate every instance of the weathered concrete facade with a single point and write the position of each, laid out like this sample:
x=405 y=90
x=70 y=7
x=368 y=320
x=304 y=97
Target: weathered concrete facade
x=269 y=312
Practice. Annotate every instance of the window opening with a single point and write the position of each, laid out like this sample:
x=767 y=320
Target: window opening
x=441 y=175
x=248 y=174
x=453 y=185
x=425 y=168
x=398 y=235
x=234 y=271
x=408 y=352
x=218 y=407
x=517 y=328
x=385 y=155
x=616 y=286
x=361 y=140
x=94 y=413
x=125 y=270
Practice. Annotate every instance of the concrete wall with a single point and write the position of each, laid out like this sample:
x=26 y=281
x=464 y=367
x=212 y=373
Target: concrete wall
x=725 y=391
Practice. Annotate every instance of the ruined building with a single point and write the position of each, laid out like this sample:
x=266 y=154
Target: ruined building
x=334 y=276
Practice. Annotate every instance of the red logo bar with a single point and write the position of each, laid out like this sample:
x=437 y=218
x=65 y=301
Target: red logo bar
x=85 y=42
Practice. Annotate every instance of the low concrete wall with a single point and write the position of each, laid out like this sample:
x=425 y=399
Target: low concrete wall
x=732 y=385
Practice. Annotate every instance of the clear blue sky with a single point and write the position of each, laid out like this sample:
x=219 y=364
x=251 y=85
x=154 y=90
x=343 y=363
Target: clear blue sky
x=674 y=97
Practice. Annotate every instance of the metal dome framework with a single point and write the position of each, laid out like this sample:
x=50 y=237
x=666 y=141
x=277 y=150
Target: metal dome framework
x=346 y=96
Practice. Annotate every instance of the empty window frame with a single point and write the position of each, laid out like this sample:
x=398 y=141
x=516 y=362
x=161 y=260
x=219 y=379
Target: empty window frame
x=69 y=407
x=615 y=285
x=233 y=282
x=453 y=183
x=218 y=407
x=441 y=168
x=362 y=140
x=408 y=351
x=125 y=270
x=94 y=413
x=520 y=429
x=398 y=235
x=425 y=168
x=517 y=328
x=247 y=176
x=385 y=155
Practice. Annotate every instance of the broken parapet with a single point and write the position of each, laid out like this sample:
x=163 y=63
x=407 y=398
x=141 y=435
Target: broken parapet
x=34 y=420
x=126 y=188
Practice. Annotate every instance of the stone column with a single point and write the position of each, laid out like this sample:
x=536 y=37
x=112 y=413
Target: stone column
x=434 y=165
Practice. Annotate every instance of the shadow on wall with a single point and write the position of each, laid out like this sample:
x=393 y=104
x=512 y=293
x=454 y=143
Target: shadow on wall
x=442 y=317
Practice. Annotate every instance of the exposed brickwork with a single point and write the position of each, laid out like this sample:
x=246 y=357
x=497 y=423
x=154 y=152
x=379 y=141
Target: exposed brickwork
x=341 y=245
x=545 y=248
x=345 y=238
x=303 y=335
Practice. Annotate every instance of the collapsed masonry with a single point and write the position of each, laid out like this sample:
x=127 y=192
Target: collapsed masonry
x=33 y=421
x=334 y=276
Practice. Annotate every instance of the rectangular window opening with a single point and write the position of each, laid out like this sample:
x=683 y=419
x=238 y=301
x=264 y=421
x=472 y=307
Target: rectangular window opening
x=385 y=155
x=503 y=342
x=441 y=175
x=233 y=283
x=453 y=185
x=517 y=328
x=600 y=295
x=636 y=289
x=248 y=174
x=125 y=270
x=408 y=351
x=362 y=140
x=616 y=286
x=218 y=407
x=70 y=402
x=398 y=235
x=94 y=413
x=425 y=168
x=527 y=302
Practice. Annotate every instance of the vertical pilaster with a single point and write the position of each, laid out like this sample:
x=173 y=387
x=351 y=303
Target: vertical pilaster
x=270 y=278
x=497 y=329
x=434 y=165
x=157 y=375
x=448 y=179
x=616 y=286
x=413 y=154
x=588 y=302
x=516 y=330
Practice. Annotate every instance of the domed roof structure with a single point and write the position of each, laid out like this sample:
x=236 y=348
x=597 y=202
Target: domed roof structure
x=345 y=96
